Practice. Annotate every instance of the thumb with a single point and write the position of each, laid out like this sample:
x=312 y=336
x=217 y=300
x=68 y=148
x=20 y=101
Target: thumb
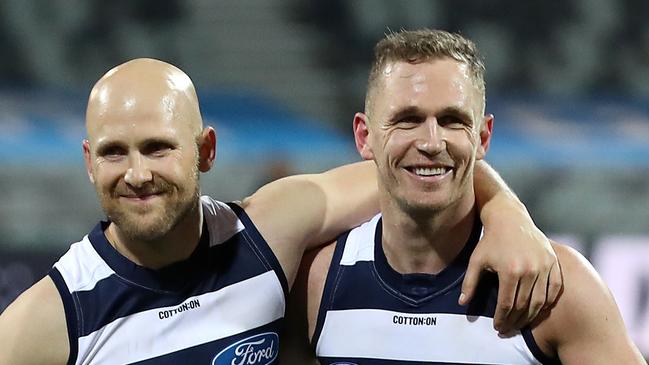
x=470 y=281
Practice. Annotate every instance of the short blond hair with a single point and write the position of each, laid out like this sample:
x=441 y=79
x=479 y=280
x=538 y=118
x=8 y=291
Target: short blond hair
x=416 y=46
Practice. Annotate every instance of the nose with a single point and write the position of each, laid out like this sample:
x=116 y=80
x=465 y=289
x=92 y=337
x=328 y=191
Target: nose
x=430 y=137
x=138 y=172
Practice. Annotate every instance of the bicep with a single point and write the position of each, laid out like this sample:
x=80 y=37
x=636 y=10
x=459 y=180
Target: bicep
x=33 y=328
x=312 y=209
x=306 y=211
x=287 y=212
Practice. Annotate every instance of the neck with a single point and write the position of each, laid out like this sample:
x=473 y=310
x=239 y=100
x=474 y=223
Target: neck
x=177 y=245
x=426 y=243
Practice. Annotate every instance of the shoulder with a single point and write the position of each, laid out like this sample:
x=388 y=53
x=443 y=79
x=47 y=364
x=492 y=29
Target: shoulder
x=290 y=214
x=223 y=220
x=585 y=296
x=33 y=329
x=277 y=206
x=581 y=281
x=584 y=315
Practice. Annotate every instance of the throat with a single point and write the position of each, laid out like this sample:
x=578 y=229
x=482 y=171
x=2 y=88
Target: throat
x=425 y=248
x=176 y=246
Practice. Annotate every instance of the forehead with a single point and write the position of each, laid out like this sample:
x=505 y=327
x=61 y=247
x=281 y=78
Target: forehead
x=127 y=118
x=433 y=84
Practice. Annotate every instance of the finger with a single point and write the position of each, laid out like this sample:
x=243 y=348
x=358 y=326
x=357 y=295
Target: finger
x=471 y=279
x=520 y=318
x=518 y=315
x=538 y=299
x=555 y=285
x=507 y=287
x=517 y=320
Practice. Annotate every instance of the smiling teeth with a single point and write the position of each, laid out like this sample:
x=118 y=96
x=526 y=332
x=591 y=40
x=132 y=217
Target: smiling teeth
x=425 y=171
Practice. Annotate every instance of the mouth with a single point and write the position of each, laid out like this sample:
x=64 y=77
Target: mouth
x=429 y=172
x=140 y=197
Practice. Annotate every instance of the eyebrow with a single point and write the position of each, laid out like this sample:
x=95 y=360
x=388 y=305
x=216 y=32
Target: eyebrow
x=454 y=110
x=404 y=112
x=104 y=146
x=414 y=110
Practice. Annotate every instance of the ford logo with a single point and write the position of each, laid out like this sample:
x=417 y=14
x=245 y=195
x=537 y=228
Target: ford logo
x=260 y=349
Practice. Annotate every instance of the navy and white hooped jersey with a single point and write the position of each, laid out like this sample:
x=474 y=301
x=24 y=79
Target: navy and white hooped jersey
x=223 y=305
x=372 y=315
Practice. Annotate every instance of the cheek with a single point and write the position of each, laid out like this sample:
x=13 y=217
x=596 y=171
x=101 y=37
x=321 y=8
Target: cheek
x=177 y=167
x=395 y=142
x=463 y=145
x=108 y=175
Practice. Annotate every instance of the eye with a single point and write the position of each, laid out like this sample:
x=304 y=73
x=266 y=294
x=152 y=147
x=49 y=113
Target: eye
x=452 y=121
x=409 y=121
x=157 y=149
x=112 y=152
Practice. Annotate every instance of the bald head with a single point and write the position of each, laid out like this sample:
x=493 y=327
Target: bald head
x=142 y=89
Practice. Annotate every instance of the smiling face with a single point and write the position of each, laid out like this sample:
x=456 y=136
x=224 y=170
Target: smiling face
x=424 y=129
x=143 y=151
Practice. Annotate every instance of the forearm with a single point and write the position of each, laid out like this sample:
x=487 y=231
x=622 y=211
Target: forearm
x=487 y=184
x=492 y=192
x=528 y=271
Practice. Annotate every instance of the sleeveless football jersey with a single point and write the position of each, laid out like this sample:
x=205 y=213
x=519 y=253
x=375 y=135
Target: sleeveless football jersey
x=372 y=315
x=223 y=305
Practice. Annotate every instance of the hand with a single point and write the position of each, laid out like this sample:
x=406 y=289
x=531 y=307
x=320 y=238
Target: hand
x=528 y=271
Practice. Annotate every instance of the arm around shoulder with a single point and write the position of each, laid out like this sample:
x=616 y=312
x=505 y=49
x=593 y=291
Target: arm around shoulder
x=512 y=246
x=585 y=326
x=303 y=211
x=33 y=329
x=323 y=204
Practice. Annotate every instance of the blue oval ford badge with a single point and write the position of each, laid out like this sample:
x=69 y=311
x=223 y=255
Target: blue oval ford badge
x=260 y=349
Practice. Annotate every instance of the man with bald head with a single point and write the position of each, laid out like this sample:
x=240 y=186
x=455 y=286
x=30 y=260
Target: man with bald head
x=172 y=277
x=153 y=192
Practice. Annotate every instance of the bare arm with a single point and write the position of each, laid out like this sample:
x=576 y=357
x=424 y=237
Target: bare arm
x=527 y=267
x=303 y=306
x=488 y=184
x=585 y=326
x=303 y=211
x=33 y=328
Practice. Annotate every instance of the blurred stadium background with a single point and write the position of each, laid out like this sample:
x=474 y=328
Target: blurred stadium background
x=568 y=82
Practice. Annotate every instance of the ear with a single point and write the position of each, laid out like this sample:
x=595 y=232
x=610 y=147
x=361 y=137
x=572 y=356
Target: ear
x=206 y=149
x=88 y=160
x=485 y=136
x=361 y=136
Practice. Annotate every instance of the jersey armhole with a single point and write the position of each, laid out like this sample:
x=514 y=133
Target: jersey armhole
x=70 y=313
x=536 y=350
x=329 y=288
x=261 y=245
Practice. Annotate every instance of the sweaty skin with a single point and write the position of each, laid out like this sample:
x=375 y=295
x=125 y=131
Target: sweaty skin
x=145 y=150
x=144 y=141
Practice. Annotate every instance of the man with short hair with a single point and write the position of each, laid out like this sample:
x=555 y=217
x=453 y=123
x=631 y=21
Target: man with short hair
x=383 y=293
x=172 y=277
